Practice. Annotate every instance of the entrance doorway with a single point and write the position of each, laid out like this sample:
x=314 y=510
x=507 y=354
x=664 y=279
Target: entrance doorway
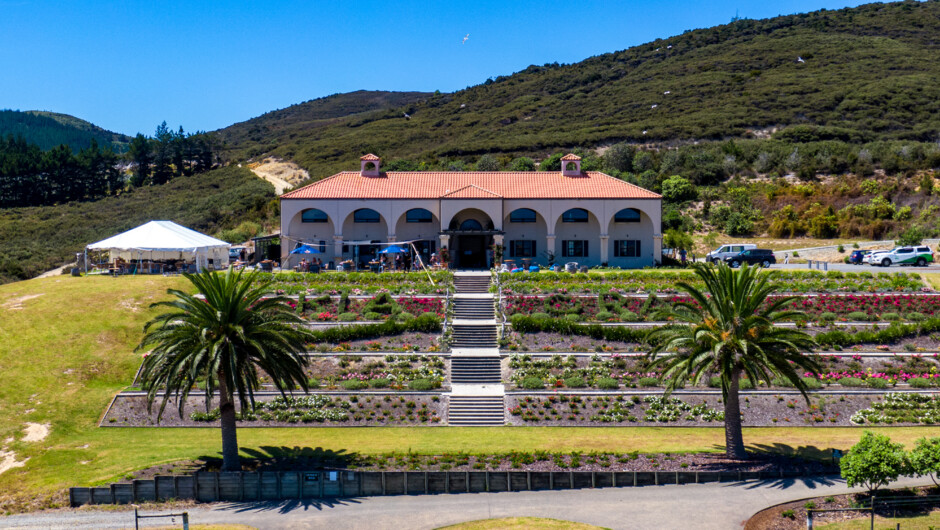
x=471 y=252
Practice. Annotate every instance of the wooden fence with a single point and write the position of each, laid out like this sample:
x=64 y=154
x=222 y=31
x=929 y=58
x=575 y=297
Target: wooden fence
x=286 y=485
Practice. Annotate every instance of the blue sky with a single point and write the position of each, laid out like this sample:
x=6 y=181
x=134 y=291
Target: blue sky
x=128 y=65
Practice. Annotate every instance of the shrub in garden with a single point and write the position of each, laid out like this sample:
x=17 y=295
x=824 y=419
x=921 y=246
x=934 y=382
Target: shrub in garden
x=604 y=315
x=532 y=383
x=572 y=317
x=541 y=316
x=812 y=383
x=629 y=316
x=828 y=316
x=921 y=382
x=313 y=383
x=873 y=462
x=890 y=317
x=608 y=383
x=877 y=382
x=426 y=323
x=858 y=316
x=404 y=316
x=852 y=381
x=646 y=382
x=347 y=317
x=372 y=315
x=381 y=382
x=915 y=316
x=575 y=382
x=354 y=384
x=779 y=381
x=421 y=384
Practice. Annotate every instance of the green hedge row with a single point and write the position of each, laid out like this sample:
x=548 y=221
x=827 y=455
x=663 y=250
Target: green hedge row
x=892 y=333
x=426 y=323
x=526 y=324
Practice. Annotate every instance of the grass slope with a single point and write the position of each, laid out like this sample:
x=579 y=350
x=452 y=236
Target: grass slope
x=68 y=348
x=869 y=74
x=34 y=240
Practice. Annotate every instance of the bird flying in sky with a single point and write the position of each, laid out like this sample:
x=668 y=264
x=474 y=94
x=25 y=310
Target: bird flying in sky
x=464 y=41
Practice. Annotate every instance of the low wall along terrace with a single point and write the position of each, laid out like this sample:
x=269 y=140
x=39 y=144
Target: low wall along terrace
x=286 y=485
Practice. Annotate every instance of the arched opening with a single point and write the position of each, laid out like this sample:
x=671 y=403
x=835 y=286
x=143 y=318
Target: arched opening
x=471 y=232
x=312 y=227
x=525 y=243
x=577 y=237
x=360 y=229
x=571 y=166
x=523 y=215
x=421 y=227
x=366 y=215
x=630 y=234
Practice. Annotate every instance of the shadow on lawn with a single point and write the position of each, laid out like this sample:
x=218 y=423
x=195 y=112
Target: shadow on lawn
x=287 y=506
x=271 y=458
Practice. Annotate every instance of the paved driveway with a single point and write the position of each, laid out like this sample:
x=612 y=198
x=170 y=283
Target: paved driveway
x=701 y=506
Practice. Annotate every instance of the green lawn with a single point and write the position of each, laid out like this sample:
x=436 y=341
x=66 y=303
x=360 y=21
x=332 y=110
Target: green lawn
x=521 y=523
x=917 y=522
x=68 y=348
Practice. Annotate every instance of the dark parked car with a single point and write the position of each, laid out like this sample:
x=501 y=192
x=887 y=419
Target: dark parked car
x=754 y=256
x=857 y=256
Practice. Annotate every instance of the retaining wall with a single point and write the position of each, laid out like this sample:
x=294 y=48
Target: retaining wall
x=285 y=485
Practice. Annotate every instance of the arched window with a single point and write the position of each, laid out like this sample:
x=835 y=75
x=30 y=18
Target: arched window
x=522 y=215
x=366 y=215
x=313 y=216
x=575 y=215
x=418 y=215
x=627 y=215
x=471 y=224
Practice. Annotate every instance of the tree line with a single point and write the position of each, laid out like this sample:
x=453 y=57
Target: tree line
x=30 y=176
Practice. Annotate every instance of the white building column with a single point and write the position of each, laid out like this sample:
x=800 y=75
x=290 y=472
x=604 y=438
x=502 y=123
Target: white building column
x=392 y=238
x=605 y=248
x=657 y=248
x=550 y=246
x=337 y=248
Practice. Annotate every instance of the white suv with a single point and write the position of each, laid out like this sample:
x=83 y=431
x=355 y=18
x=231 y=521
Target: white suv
x=919 y=256
x=726 y=251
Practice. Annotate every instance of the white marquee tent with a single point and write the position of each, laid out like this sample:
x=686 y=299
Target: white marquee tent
x=165 y=240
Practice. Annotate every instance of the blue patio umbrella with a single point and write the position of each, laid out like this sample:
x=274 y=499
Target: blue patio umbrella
x=306 y=249
x=392 y=249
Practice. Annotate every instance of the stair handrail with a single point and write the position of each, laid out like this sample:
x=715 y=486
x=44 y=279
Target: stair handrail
x=499 y=308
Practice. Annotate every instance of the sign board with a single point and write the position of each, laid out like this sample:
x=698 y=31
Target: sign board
x=333 y=476
x=311 y=477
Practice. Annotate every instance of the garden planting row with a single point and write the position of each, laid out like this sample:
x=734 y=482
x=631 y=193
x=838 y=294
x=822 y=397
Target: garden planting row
x=381 y=307
x=552 y=409
x=613 y=307
x=757 y=410
x=378 y=372
x=627 y=282
x=614 y=372
x=559 y=334
x=358 y=283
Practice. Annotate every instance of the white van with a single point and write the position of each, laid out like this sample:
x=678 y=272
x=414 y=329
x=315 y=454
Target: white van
x=725 y=251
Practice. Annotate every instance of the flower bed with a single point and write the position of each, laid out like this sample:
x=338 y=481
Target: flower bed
x=405 y=342
x=358 y=372
x=325 y=308
x=613 y=372
x=334 y=338
x=625 y=282
x=757 y=410
x=612 y=307
x=361 y=282
x=897 y=408
x=310 y=409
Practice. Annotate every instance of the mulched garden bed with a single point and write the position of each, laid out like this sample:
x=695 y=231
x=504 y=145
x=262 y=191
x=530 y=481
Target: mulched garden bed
x=792 y=516
x=684 y=410
x=405 y=342
x=319 y=410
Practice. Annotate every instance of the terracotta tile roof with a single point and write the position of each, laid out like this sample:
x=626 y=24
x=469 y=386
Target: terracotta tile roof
x=369 y=157
x=470 y=192
x=475 y=184
x=571 y=156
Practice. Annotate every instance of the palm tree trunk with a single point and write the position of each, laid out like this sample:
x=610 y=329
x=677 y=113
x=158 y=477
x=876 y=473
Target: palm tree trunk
x=734 y=440
x=230 y=458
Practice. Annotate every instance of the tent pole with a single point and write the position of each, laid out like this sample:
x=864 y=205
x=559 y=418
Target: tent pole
x=86 y=261
x=421 y=261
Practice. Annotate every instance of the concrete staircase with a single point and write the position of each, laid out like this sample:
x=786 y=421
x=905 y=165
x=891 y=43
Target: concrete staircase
x=477 y=393
x=476 y=411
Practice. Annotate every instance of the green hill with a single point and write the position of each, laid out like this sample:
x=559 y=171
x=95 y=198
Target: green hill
x=50 y=129
x=868 y=73
x=36 y=239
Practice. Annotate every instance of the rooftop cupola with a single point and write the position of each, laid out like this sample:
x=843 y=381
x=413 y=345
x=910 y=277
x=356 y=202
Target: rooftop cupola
x=369 y=165
x=571 y=165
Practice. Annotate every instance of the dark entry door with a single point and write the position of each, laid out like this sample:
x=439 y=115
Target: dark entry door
x=472 y=252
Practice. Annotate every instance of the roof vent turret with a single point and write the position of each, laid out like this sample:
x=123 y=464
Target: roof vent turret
x=571 y=165
x=369 y=165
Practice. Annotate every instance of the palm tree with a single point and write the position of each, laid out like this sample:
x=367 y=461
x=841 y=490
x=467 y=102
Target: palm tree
x=730 y=332
x=224 y=335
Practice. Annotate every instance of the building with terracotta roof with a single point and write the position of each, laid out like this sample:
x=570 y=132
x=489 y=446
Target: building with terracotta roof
x=535 y=217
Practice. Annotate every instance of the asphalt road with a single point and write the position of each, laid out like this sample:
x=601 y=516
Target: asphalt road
x=843 y=267
x=701 y=506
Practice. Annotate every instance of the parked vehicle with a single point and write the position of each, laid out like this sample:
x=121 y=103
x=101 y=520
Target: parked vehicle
x=919 y=256
x=726 y=251
x=235 y=252
x=755 y=256
x=857 y=257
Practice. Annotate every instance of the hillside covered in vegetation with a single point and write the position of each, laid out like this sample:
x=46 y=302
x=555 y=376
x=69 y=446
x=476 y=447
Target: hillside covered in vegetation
x=50 y=129
x=36 y=239
x=855 y=75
